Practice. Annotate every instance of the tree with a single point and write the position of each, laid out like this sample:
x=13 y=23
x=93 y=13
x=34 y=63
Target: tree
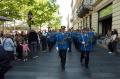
x=9 y=8
x=43 y=10
x=55 y=23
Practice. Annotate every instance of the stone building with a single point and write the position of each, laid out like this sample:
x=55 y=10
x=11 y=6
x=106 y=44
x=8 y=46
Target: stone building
x=101 y=15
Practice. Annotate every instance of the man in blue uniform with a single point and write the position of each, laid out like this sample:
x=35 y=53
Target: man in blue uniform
x=69 y=39
x=62 y=46
x=85 y=47
x=92 y=36
x=50 y=40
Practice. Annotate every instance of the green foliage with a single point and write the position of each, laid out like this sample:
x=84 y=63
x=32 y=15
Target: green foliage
x=9 y=8
x=55 y=23
x=1 y=22
x=43 y=10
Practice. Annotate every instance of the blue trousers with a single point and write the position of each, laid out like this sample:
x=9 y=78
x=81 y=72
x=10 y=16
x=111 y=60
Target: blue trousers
x=62 y=54
x=85 y=56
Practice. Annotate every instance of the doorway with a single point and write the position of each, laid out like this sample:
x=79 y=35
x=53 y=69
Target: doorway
x=106 y=24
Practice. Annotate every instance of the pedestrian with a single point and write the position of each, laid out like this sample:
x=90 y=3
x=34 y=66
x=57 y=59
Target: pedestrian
x=112 y=46
x=18 y=40
x=85 y=47
x=44 y=41
x=33 y=41
x=62 y=46
x=25 y=51
x=9 y=46
x=19 y=50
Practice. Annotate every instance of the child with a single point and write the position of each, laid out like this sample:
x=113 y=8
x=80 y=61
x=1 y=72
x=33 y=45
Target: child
x=25 y=51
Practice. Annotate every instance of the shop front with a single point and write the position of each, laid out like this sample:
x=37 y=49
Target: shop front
x=105 y=20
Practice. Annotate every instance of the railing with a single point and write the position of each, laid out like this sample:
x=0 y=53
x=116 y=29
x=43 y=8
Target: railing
x=86 y=6
x=96 y=2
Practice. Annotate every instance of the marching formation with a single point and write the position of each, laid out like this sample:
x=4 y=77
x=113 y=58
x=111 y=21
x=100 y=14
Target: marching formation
x=22 y=47
x=83 y=40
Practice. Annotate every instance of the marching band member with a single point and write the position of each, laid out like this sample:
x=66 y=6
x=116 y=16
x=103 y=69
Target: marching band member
x=85 y=47
x=62 y=46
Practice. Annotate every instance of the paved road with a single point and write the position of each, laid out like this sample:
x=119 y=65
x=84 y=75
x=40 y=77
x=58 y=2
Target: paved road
x=47 y=66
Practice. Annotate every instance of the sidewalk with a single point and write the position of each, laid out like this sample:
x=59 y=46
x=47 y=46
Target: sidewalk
x=101 y=42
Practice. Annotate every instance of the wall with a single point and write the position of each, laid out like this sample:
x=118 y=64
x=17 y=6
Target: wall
x=98 y=7
x=116 y=15
x=95 y=21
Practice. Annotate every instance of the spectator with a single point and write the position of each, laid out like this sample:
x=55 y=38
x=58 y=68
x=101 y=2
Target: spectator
x=8 y=46
x=44 y=42
x=113 y=42
x=19 y=47
x=25 y=51
x=33 y=41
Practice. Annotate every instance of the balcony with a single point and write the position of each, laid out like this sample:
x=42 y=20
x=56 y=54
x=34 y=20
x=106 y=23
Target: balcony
x=84 y=9
x=87 y=6
x=96 y=2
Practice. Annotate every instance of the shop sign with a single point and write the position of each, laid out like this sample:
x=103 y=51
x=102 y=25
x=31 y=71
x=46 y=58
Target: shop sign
x=106 y=11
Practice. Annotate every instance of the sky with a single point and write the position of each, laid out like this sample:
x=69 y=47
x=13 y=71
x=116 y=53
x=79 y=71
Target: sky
x=63 y=10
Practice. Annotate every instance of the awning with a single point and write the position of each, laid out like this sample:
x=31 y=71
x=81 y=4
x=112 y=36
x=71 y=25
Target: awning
x=2 y=18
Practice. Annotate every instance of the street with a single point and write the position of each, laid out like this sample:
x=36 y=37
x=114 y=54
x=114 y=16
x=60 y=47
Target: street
x=29 y=26
x=47 y=66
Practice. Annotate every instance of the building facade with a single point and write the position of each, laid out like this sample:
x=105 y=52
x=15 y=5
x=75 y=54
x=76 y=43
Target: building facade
x=73 y=18
x=101 y=15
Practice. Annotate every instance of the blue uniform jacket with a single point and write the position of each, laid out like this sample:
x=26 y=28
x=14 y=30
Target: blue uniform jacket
x=69 y=37
x=87 y=46
x=61 y=41
x=91 y=37
x=48 y=36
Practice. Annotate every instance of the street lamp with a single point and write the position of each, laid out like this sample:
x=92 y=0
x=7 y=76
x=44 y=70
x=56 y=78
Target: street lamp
x=30 y=16
x=49 y=28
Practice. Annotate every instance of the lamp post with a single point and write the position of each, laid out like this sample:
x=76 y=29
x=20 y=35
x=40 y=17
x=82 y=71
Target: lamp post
x=14 y=29
x=30 y=16
x=48 y=28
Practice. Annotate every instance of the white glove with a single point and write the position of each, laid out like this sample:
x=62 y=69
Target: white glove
x=83 y=42
x=67 y=49
x=57 y=49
